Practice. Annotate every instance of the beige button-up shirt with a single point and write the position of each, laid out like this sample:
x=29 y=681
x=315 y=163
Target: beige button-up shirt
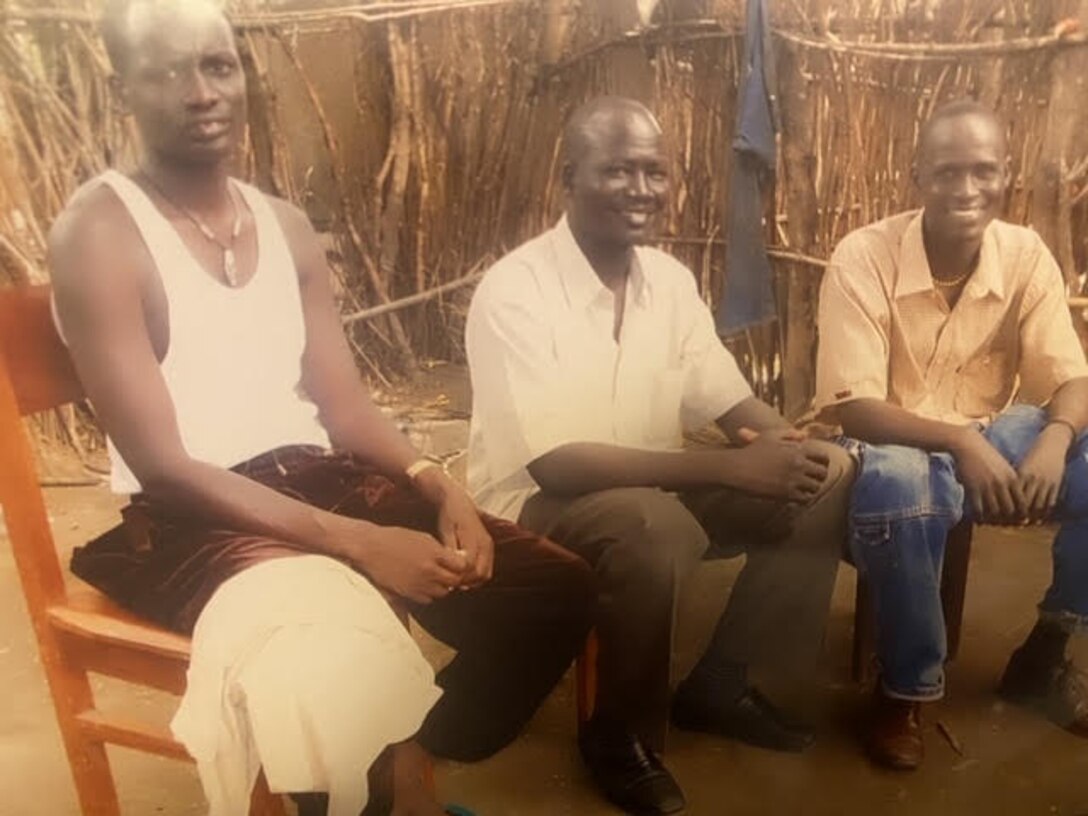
x=886 y=333
x=546 y=370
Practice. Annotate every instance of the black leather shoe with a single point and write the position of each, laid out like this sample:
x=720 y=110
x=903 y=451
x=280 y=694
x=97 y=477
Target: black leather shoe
x=750 y=718
x=628 y=773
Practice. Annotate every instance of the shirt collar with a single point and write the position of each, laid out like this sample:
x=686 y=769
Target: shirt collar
x=915 y=275
x=580 y=282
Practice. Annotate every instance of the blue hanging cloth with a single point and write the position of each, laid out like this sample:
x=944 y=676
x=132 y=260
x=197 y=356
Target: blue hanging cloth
x=748 y=299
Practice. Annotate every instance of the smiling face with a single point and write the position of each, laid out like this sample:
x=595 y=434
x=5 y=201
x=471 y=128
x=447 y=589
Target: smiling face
x=961 y=171
x=616 y=180
x=182 y=81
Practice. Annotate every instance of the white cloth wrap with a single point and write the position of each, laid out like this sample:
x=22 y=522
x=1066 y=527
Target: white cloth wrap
x=300 y=666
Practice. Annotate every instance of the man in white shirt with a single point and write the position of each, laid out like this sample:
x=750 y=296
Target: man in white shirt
x=589 y=355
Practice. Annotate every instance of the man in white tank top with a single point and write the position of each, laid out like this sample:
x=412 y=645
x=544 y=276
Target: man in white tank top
x=201 y=320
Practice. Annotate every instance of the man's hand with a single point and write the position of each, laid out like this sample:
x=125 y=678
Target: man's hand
x=993 y=487
x=782 y=464
x=408 y=563
x=459 y=525
x=1040 y=474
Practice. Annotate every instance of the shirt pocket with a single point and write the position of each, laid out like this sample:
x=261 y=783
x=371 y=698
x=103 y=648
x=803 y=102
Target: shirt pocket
x=985 y=384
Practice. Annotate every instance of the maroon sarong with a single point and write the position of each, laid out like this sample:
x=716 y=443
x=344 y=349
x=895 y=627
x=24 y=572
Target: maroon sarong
x=514 y=636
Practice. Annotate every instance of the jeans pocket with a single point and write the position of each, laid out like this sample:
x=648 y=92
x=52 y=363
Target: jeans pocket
x=868 y=542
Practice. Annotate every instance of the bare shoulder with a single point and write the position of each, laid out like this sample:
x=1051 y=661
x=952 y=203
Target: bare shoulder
x=291 y=217
x=95 y=243
x=294 y=222
x=300 y=235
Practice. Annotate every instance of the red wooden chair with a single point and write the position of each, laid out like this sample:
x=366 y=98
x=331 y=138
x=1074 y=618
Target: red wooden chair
x=78 y=630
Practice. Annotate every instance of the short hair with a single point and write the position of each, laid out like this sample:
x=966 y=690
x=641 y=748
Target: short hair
x=953 y=110
x=579 y=131
x=114 y=24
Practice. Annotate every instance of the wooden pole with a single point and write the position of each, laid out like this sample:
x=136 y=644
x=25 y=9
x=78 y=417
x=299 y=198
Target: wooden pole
x=798 y=174
x=1064 y=128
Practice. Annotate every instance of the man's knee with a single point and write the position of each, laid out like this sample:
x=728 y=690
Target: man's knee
x=824 y=519
x=841 y=471
x=1014 y=431
x=1075 y=500
x=653 y=533
x=897 y=481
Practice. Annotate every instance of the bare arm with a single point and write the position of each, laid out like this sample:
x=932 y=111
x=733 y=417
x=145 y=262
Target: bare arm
x=1043 y=468
x=582 y=467
x=329 y=375
x=881 y=423
x=100 y=268
x=992 y=486
x=352 y=420
x=1052 y=372
x=1070 y=404
x=769 y=466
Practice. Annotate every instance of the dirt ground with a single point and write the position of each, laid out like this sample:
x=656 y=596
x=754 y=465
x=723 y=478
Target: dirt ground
x=997 y=760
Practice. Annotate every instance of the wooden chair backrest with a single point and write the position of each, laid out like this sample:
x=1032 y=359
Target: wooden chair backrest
x=36 y=374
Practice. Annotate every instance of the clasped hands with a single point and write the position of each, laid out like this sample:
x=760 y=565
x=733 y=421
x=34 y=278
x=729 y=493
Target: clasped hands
x=783 y=463
x=998 y=493
x=422 y=568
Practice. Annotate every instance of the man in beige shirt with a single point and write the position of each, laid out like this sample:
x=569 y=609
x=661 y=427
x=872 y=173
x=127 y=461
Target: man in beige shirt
x=931 y=323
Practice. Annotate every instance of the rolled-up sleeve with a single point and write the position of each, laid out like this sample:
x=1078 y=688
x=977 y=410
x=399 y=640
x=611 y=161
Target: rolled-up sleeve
x=1050 y=351
x=517 y=405
x=853 y=351
x=713 y=383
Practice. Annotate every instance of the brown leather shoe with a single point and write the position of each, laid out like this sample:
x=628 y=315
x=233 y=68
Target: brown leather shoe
x=894 y=733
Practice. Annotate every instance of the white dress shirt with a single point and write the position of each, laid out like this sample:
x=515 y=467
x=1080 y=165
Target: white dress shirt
x=547 y=371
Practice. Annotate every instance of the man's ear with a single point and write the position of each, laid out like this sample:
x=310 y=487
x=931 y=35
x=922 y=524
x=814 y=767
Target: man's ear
x=914 y=172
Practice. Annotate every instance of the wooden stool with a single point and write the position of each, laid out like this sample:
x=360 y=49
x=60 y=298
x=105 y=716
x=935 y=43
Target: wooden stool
x=957 y=555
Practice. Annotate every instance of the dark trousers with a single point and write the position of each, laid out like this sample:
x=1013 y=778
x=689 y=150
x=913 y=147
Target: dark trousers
x=514 y=636
x=643 y=542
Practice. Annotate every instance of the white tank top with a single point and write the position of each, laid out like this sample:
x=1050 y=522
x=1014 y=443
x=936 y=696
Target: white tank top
x=234 y=362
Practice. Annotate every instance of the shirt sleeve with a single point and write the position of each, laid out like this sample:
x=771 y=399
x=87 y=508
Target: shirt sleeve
x=713 y=382
x=517 y=399
x=1050 y=350
x=853 y=351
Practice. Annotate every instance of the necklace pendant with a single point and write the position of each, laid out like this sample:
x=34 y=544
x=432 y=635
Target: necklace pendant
x=230 y=268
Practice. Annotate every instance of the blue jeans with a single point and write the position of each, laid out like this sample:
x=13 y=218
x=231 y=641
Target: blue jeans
x=904 y=503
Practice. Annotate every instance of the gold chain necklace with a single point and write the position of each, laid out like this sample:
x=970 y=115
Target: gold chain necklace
x=953 y=281
x=230 y=264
